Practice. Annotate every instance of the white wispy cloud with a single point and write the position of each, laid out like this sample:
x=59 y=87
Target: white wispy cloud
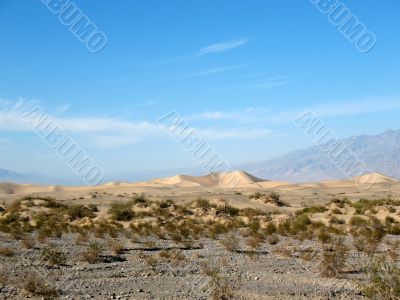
x=332 y=109
x=222 y=46
x=113 y=132
x=272 y=82
x=219 y=134
x=213 y=71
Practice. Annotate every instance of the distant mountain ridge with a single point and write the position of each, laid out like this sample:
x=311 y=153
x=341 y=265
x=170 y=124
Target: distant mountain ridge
x=31 y=178
x=7 y=175
x=381 y=153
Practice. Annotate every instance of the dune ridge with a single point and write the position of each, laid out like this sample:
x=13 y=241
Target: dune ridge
x=227 y=180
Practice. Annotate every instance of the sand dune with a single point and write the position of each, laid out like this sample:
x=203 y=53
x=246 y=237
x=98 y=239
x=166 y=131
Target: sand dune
x=216 y=180
x=230 y=180
x=373 y=178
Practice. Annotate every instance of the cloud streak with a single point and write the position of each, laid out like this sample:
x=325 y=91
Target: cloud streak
x=264 y=115
x=222 y=46
x=106 y=132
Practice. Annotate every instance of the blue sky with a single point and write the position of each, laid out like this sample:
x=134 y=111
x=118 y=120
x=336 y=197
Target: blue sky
x=239 y=72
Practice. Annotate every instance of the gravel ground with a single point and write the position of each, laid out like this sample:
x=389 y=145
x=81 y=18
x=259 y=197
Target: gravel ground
x=266 y=274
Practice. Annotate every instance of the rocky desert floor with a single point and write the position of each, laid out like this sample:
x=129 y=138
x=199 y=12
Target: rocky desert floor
x=170 y=242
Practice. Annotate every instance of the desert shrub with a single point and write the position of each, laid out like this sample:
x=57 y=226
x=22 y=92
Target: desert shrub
x=389 y=221
x=336 y=220
x=35 y=285
x=367 y=233
x=52 y=203
x=251 y=212
x=81 y=238
x=140 y=200
x=254 y=242
x=103 y=227
x=363 y=205
x=357 y=221
x=334 y=258
x=28 y=242
x=92 y=254
x=337 y=211
x=216 y=229
x=383 y=280
x=3 y=277
x=116 y=247
x=76 y=212
x=299 y=226
x=341 y=203
x=394 y=229
x=6 y=252
x=256 y=196
x=324 y=237
x=93 y=207
x=203 y=204
x=391 y=209
x=275 y=199
x=208 y=269
x=270 y=228
x=10 y=222
x=146 y=228
x=227 y=210
x=254 y=226
x=175 y=255
x=230 y=242
x=50 y=225
x=150 y=260
x=52 y=256
x=273 y=239
x=166 y=204
x=121 y=211
x=221 y=287
x=312 y=210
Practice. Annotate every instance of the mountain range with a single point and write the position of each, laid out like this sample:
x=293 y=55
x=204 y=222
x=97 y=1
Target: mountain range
x=380 y=153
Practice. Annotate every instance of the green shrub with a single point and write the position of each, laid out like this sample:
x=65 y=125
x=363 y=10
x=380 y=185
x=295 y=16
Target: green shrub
x=270 y=228
x=227 y=210
x=53 y=257
x=334 y=259
x=121 y=211
x=35 y=285
x=312 y=210
x=383 y=280
x=76 y=212
x=92 y=254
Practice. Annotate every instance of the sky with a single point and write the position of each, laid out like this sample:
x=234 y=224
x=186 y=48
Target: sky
x=239 y=72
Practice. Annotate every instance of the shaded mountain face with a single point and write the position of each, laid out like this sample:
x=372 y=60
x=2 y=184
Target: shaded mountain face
x=381 y=153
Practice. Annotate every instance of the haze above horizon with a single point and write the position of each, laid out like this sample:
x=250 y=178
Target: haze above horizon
x=239 y=73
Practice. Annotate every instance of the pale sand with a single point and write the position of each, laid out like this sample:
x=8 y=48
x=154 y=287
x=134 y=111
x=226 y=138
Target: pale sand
x=214 y=187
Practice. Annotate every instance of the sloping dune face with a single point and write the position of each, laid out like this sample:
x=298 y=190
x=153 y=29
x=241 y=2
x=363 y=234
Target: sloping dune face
x=178 y=180
x=374 y=178
x=222 y=180
x=237 y=179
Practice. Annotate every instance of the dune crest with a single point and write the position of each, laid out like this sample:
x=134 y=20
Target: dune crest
x=221 y=180
x=374 y=177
